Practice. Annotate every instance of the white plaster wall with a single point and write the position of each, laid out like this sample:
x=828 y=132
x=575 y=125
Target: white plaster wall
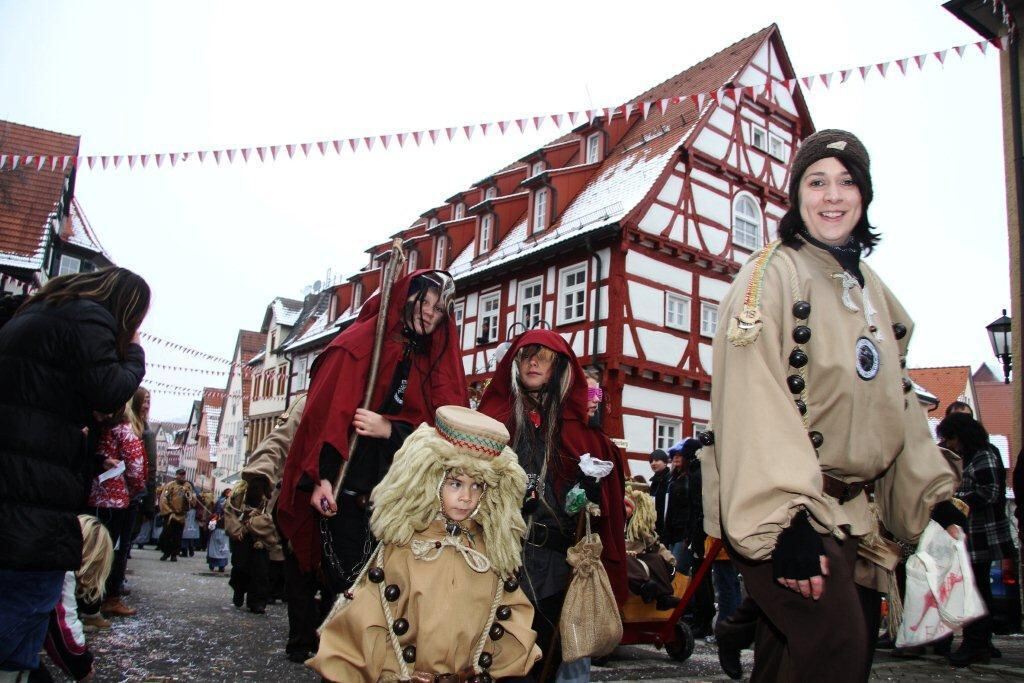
x=761 y=58
x=604 y=303
x=602 y=340
x=471 y=303
x=606 y=263
x=648 y=303
x=513 y=290
x=467 y=364
x=705 y=354
x=776 y=69
x=692 y=238
x=700 y=409
x=656 y=271
x=628 y=347
x=712 y=143
x=661 y=347
x=661 y=402
x=551 y=281
x=711 y=205
x=639 y=432
x=656 y=219
x=709 y=180
x=677 y=233
x=468 y=335
x=577 y=344
x=722 y=119
x=671 y=190
x=715 y=238
x=757 y=159
x=713 y=289
x=641 y=467
x=785 y=100
x=549 y=312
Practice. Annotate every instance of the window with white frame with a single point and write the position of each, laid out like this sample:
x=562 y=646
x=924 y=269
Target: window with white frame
x=540 y=210
x=460 y=210
x=538 y=167
x=677 y=311
x=432 y=223
x=593 y=147
x=414 y=258
x=459 y=312
x=572 y=294
x=486 y=231
x=490 y=306
x=300 y=367
x=530 y=299
x=746 y=223
x=759 y=137
x=777 y=147
x=491 y=192
x=357 y=295
x=708 y=319
x=666 y=433
x=699 y=428
x=69 y=265
x=440 y=248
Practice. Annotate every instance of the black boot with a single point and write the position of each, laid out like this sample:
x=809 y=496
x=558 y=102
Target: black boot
x=731 y=639
x=970 y=654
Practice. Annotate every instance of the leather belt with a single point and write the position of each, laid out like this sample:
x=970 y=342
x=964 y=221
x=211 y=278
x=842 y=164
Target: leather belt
x=427 y=677
x=361 y=500
x=844 y=491
x=548 y=537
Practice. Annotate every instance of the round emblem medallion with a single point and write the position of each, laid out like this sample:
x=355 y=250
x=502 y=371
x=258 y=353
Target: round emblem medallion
x=868 y=359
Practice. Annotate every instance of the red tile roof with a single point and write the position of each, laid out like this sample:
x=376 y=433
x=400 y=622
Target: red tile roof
x=948 y=384
x=995 y=406
x=78 y=231
x=213 y=397
x=28 y=196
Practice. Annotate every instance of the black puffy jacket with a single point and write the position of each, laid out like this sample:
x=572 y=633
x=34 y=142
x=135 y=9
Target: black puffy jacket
x=58 y=364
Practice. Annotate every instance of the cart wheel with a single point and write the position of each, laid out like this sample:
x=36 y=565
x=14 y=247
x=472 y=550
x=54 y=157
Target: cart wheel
x=681 y=646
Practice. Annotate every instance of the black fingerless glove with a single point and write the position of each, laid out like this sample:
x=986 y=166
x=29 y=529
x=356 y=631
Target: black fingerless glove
x=798 y=551
x=591 y=487
x=946 y=514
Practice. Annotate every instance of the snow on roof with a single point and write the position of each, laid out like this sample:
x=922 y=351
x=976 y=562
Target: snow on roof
x=286 y=311
x=78 y=231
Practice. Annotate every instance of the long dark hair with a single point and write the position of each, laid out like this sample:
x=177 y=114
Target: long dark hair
x=548 y=400
x=867 y=236
x=424 y=344
x=123 y=293
x=969 y=432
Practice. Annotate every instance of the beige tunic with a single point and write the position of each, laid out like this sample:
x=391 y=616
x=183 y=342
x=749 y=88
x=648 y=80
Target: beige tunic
x=447 y=605
x=176 y=499
x=763 y=468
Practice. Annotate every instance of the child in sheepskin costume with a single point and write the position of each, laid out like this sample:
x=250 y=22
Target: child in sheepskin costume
x=649 y=564
x=439 y=598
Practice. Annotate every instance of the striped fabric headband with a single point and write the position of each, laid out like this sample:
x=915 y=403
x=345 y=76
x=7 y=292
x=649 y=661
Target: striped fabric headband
x=475 y=443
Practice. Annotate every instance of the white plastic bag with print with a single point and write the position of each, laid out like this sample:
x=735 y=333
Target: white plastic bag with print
x=941 y=596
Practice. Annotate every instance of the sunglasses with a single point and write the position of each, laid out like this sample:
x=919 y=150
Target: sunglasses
x=595 y=394
x=542 y=354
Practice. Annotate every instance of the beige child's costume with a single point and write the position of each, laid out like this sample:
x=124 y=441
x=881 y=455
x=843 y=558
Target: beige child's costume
x=438 y=598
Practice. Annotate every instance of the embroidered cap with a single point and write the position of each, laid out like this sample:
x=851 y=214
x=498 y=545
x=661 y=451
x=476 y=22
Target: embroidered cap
x=831 y=142
x=471 y=432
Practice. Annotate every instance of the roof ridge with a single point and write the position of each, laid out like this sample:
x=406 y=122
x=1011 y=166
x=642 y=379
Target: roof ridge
x=42 y=130
x=941 y=367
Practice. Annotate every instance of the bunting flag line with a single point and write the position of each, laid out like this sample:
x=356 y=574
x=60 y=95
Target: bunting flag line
x=174 y=346
x=32 y=160
x=177 y=368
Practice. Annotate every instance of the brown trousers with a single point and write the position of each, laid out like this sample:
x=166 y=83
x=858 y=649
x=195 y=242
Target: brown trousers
x=799 y=639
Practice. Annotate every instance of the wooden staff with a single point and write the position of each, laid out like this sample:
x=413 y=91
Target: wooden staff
x=391 y=270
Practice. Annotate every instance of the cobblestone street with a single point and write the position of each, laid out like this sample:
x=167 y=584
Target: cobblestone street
x=188 y=630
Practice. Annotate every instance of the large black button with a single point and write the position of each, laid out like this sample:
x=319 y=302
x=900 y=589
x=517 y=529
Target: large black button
x=409 y=653
x=391 y=593
x=907 y=385
x=801 y=334
x=496 y=632
x=483 y=677
x=801 y=406
x=796 y=383
x=485 y=660
x=511 y=585
x=400 y=627
x=802 y=310
x=797 y=358
x=706 y=438
x=504 y=613
x=376 y=574
x=900 y=330
x=816 y=439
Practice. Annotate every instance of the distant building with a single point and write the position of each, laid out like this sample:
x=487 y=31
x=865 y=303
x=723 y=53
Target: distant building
x=168 y=455
x=230 y=436
x=269 y=369
x=43 y=230
x=206 y=442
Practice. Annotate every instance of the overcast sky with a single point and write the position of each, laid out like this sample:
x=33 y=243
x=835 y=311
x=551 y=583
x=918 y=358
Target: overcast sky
x=217 y=244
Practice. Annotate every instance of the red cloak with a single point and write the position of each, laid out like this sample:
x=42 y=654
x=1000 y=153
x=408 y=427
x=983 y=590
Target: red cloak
x=576 y=439
x=338 y=382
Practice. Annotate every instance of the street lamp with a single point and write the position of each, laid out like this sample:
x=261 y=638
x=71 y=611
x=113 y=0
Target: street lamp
x=999 y=336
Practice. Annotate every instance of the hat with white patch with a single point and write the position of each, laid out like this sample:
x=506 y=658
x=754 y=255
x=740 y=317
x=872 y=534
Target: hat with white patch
x=840 y=144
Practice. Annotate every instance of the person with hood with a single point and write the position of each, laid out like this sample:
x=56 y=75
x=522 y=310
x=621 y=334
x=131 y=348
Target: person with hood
x=420 y=369
x=71 y=351
x=659 y=487
x=438 y=599
x=818 y=436
x=539 y=392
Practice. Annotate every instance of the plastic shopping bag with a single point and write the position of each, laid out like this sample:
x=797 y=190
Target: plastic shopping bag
x=941 y=595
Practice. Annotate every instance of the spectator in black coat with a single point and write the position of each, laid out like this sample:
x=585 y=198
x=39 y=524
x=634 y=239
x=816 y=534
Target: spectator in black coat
x=659 y=489
x=71 y=351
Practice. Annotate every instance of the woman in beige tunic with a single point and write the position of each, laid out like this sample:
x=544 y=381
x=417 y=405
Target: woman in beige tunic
x=818 y=434
x=439 y=599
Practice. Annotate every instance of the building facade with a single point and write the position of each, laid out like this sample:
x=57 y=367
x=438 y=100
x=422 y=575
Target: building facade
x=268 y=393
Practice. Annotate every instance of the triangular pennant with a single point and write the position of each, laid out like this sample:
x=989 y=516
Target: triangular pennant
x=64 y=165
x=663 y=105
x=202 y=155
x=433 y=135
x=53 y=163
x=261 y=152
x=646 y=108
x=807 y=81
x=450 y=132
x=882 y=67
x=702 y=98
x=385 y=140
x=557 y=120
x=274 y=149
x=305 y=148
x=537 y=120
x=716 y=95
x=104 y=160
x=246 y=151
x=864 y=72
x=920 y=60
x=131 y=161
x=41 y=161
x=731 y=94
x=117 y=160
x=15 y=160
x=628 y=109
x=982 y=45
x=28 y=159
x=960 y=50
x=291 y=151
x=353 y=143
x=941 y=56
x=790 y=85
x=902 y=64
x=79 y=160
x=401 y=139
x=91 y=161
x=696 y=99
x=368 y=141
x=3 y=160
x=483 y=128
x=609 y=113
x=337 y=144
x=502 y=125
x=322 y=146
x=416 y=136
x=231 y=155
x=572 y=118
x=768 y=89
x=522 y=125
x=468 y=130
x=591 y=113
x=160 y=160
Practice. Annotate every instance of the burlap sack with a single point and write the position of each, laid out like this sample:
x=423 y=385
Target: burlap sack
x=590 y=624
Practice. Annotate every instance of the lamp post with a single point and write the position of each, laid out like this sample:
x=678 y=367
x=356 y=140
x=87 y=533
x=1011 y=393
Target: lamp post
x=999 y=336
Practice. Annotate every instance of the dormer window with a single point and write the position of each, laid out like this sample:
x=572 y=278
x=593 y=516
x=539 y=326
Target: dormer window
x=593 y=147
x=414 y=258
x=537 y=168
x=460 y=210
x=357 y=296
x=540 y=210
x=432 y=223
x=439 y=251
x=486 y=232
x=491 y=192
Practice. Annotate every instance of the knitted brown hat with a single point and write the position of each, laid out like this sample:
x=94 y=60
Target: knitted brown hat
x=832 y=143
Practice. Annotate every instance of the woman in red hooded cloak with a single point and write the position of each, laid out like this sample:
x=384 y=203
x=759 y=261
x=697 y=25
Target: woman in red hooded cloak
x=420 y=370
x=539 y=391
